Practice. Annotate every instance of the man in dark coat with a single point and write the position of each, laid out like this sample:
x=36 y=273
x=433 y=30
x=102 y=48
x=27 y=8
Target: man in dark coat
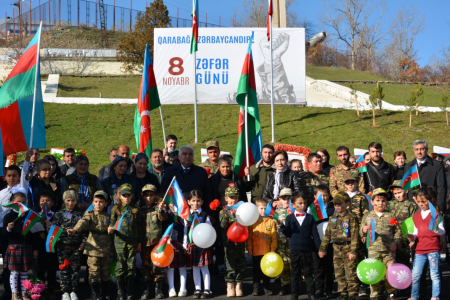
x=104 y=172
x=431 y=172
x=381 y=174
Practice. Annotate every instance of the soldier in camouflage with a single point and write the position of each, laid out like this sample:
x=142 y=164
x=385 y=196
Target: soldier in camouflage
x=387 y=237
x=69 y=247
x=309 y=180
x=342 y=232
x=337 y=173
x=212 y=163
x=402 y=208
x=99 y=245
x=153 y=215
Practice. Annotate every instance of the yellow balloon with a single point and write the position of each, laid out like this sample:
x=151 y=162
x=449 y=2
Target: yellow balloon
x=272 y=264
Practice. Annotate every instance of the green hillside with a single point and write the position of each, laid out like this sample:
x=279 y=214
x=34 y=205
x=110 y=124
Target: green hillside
x=330 y=73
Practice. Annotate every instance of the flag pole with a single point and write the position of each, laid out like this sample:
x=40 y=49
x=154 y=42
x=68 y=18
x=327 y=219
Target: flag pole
x=195 y=97
x=246 y=136
x=418 y=174
x=162 y=122
x=271 y=84
x=35 y=84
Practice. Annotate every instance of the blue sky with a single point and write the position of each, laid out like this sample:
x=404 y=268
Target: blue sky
x=430 y=41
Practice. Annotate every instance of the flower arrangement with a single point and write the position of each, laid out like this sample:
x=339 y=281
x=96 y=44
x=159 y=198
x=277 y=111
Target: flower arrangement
x=35 y=287
x=60 y=156
x=299 y=149
x=65 y=264
x=215 y=204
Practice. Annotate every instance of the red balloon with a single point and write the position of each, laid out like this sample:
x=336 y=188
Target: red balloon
x=237 y=233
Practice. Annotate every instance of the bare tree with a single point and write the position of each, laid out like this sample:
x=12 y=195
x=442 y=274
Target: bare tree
x=256 y=12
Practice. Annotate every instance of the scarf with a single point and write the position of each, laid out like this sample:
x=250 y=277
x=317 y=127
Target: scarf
x=276 y=187
x=84 y=188
x=117 y=181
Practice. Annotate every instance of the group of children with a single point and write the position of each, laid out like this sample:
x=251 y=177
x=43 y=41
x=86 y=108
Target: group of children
x=133 y=228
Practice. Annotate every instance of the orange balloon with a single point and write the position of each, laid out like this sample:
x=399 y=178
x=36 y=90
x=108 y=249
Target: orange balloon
x=162 y=259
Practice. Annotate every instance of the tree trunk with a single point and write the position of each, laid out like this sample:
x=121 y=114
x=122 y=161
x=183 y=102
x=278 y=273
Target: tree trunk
x=417 y=108
x=373 y=116
x=357 y=109
x=410 y=118
x=446 y=116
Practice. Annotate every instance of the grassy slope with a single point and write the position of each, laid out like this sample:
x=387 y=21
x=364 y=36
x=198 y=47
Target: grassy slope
x=109 y=87
x=98 y=128
x=330 y=73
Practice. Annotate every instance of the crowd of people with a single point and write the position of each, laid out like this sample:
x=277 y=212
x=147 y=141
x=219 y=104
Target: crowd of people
x=131 y=193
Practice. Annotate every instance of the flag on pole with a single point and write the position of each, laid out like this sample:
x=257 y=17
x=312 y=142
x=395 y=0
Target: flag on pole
x=433 y=214
x=291 y=209
x=194 y=36
x=164 y=239
x=247 y=88
x=195 y=222
x=53 y=235
x=317 y=208
x=175 y=196
x=148 y=99
x=439 y=220
x=411 y=178
x=360 y=164
x=371 y=233
x=16 y=105
x=270 y=212
x=31 y=219
x=21 y=208
x=269 y=14
x=119 y=222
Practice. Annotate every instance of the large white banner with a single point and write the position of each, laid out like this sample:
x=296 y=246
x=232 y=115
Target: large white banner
x=220 y=57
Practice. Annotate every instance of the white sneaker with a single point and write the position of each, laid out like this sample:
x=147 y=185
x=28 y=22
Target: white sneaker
x=65 y=296
x=182 y=293
x=172 y=293
x=73 y=296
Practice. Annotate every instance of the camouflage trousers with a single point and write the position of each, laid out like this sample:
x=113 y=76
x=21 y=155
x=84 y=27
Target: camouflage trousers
x=345 y=271
x=361 y=252
x=387 y=258
x=98 y=268
x=126 y=258
x=148 y=268
x=235 y=262
x=69 y=276
x=403 y=253
x=283 y=250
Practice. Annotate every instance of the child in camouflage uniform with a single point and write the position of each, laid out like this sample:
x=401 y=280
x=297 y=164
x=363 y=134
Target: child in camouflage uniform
x=283 y=241
x=234 y=252
x=402 y=208
x=69 y=247
x=342 y=233
x=99 y=245
x=153 y=214
x=126 y=225
x=387 y=238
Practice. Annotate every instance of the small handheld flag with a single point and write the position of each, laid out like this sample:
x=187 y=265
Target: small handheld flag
x=318 y=209
x=433 y=215
x=236 y=206
x=44 y=213
x=195 y=222
x=439 y=220
x=175 y=196
x=411 y=178
x=291 y=209
x=270 y=212
x=21 y=208
x=360 y=164
x=371 y=234
x=165 y=238
x=119 y=222
x=31 y=219
x=53 y=235
x=91 y=207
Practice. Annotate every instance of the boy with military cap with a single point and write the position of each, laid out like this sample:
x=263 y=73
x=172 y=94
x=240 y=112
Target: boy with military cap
x=212 y=162
x=386 y=238
x=99 y=245
x=234 y=252
x=342 y=231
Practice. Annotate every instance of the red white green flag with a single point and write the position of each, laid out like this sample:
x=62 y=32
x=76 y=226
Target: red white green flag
x=247 y=88
x=269 y=14
x=194 y=36
x=411 y=178
x=360 y=164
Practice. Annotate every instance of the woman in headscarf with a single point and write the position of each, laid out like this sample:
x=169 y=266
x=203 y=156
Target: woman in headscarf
x=117 y=177
x=85 y=183
x=43 y=181
x=141 y=176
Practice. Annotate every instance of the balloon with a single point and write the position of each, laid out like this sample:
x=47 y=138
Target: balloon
x=204 y=235
x=112 y=270
x=399 y=276
x=162 y=259
x=371 y=271
x=237 y=233
x=272 y=264
x=247 y=214
x=408 y=227
x=321 y=229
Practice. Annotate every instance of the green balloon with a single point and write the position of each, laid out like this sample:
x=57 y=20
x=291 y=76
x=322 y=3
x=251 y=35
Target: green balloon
x=408 y=227
x=371 y=271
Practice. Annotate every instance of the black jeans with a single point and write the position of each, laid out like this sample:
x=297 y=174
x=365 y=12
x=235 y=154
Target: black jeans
x=306 y=258
x=6 y=272
x=258 y=274
x=47 y=263
x=323 y=270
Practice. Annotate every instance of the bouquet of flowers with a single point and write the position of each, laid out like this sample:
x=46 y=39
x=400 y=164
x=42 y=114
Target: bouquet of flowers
x=35 y=287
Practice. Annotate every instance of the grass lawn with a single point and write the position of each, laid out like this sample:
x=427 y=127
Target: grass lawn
x=109 y=87
x=330 y=73
x=98 y=128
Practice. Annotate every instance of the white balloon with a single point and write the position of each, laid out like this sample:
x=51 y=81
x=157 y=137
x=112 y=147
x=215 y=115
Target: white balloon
x=321 y=228
x=247 y=214
x=204 y=235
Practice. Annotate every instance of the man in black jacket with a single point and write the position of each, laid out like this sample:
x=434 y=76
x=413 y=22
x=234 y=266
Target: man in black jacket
x=189 y=176
x=381 y=174
x=431 y=172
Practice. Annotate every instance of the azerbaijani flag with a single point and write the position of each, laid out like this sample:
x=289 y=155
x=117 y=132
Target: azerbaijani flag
x=119 y=222
x=439 y=220
x=411 y=178
x=270 y=212
x=16 y=104
x=195 y=222
x=194 y=36
x=433 y=214
x=236 y=206
x=53 y=235
x=269 y=14
x=148 y=99
x=175 y=196
x=44 y=213
x=31 y=219
x=164 y=239
x=247 y=89
x=360 y=164
x=371 y=234
x=91 y=207
x=291 y=209
x=318 y=208
x=21 y=208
